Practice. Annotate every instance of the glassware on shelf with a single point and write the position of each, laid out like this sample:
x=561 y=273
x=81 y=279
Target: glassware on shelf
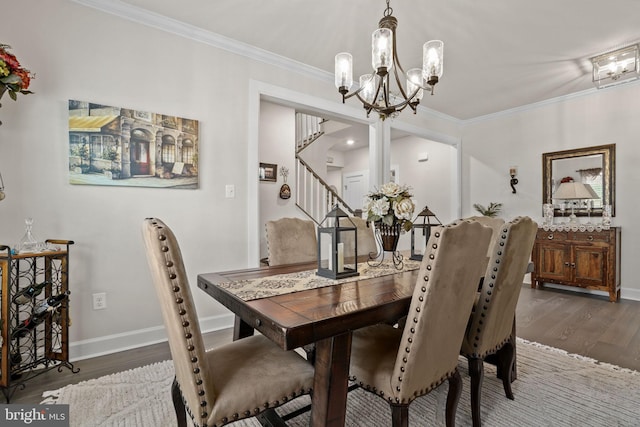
x=29 y=242
x=547 y=209
x=589 y=206
x=606 y=217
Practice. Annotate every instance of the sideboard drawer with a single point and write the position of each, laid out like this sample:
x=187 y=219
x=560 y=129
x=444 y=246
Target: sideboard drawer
x=551 y=235
x=595 y=236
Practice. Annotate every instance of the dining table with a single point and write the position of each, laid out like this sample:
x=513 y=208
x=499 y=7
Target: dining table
x=323 y=316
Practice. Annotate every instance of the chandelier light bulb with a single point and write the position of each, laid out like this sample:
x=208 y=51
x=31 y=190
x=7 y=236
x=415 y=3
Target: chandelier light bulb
x=367 y=86
x=432 y=61
x=415 y=82
x=343 y=71
x=382 y=50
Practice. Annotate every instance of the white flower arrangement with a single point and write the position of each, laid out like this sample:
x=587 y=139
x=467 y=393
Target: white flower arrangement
x=391 y=204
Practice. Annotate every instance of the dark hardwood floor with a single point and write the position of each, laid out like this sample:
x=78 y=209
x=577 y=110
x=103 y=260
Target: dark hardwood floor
x=578 y=323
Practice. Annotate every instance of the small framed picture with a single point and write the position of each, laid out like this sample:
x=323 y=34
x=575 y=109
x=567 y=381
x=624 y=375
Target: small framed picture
x=268 y=172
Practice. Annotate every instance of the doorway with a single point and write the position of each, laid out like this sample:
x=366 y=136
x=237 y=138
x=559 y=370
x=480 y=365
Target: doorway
x=355 y=186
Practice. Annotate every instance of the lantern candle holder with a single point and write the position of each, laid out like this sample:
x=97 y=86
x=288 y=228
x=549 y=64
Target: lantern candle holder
x=337 y=246
x=421 y=231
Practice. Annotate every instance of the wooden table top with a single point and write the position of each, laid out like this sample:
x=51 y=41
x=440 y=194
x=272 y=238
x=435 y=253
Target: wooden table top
x=301 y=318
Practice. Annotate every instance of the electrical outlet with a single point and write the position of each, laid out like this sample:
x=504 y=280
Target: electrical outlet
x=230 y=191
x=100 y=301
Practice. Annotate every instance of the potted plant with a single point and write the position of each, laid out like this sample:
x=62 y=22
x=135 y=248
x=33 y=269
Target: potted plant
x=491 y=210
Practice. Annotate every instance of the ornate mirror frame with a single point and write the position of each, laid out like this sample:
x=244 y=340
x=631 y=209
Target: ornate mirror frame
x=549 y=182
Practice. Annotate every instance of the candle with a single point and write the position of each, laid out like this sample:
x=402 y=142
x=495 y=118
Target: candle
x=340 y=257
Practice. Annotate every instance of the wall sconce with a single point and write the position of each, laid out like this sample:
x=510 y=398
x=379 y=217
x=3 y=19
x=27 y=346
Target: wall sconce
x=615 y=67
x=333 y=262
x=513 y=171
x=1 y=187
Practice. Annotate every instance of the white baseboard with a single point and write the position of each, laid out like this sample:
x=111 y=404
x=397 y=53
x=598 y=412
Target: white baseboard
x=109 y=344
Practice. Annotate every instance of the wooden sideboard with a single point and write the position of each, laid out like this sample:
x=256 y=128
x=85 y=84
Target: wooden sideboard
x=585 y=259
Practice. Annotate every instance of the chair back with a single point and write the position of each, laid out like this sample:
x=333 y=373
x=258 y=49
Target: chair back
x=366 y=239
x=179 y=315
x=440 y=308
x=492 y=320
x=291 y=241
x=494 y=223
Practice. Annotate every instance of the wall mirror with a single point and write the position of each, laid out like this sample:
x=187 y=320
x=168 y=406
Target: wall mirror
x=595 y=166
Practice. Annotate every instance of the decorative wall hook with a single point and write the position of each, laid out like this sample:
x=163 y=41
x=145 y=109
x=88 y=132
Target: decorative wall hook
x=513 y=171
x=285 y=190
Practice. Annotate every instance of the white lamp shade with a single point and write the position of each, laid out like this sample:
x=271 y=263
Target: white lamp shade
x=575 y=191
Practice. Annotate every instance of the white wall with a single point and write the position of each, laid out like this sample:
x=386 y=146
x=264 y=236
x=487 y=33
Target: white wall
x=520 y=137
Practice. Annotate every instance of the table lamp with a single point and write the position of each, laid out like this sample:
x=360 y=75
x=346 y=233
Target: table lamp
x=574 y=191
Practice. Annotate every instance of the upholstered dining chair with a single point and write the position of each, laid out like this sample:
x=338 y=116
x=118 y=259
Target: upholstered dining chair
x=291 y=241
x=491 y=323
x=401 y=364
x=238 y=380
x=493 y=222
x=366 y=239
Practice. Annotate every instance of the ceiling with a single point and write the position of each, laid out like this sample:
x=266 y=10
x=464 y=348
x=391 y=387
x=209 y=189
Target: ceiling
x=499 y=54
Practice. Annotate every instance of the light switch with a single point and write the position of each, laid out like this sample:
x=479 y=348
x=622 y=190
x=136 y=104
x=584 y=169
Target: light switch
x=230 y=191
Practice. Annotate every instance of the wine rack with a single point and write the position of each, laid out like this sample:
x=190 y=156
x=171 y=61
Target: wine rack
x=29 y=349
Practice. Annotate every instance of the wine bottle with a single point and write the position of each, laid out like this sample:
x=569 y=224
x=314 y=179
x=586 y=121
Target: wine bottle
x=26 y=294
x=28 y=325
x=38 y=315
x=50 y=303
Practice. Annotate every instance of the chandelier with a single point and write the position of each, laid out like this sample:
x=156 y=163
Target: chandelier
x=618 y=66
x=375 y=91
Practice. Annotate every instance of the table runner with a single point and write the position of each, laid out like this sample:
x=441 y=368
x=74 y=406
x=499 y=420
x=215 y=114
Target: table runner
x=251 y=289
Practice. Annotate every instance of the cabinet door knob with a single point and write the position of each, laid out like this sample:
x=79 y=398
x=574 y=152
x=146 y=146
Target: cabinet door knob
x=590 y=238
x=566 y=264
x=573 y=265
x=550 y=236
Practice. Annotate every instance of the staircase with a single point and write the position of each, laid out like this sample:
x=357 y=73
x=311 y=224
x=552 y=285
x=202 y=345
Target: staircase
x=313 y=195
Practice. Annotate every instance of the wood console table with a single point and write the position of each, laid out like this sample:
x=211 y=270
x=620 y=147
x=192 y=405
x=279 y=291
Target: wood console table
x=585 y=259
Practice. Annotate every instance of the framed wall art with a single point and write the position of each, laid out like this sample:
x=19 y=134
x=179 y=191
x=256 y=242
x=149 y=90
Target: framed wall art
x=125 y=147
x=268 y=172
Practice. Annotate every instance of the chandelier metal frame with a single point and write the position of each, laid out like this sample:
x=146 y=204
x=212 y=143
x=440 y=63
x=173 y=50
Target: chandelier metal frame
x=384 y=101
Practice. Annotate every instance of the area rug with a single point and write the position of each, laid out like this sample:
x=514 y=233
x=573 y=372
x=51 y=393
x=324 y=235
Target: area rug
x=553 y=389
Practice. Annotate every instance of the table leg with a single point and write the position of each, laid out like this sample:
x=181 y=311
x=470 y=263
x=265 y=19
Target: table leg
x=241 y=329
x=329 y=399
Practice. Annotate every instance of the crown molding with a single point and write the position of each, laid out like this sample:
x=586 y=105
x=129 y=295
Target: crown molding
x=170 y=25
x=544 y=103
